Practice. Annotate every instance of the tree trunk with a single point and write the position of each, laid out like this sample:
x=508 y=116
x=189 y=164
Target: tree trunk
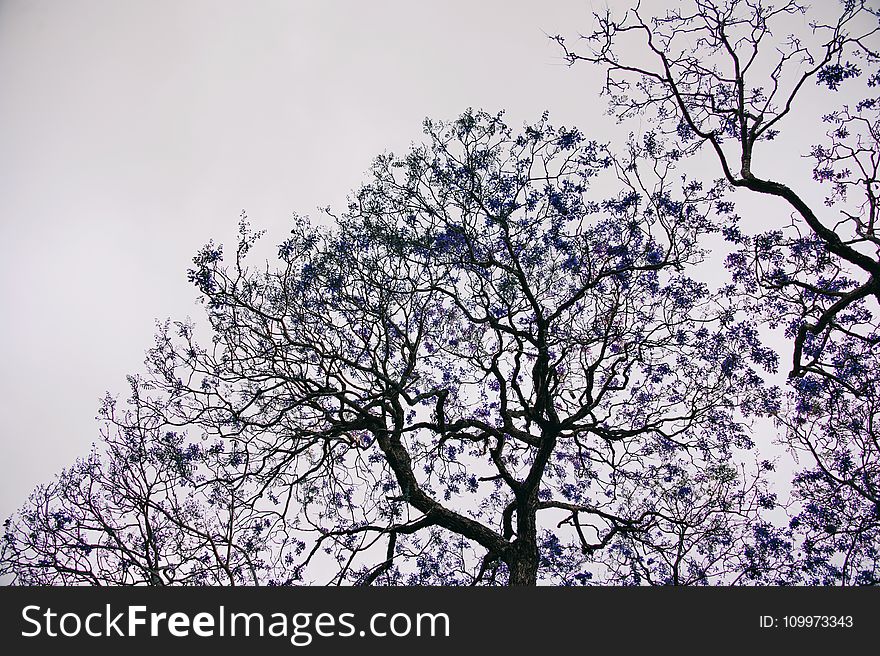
x=524 y=569
x=523 y=560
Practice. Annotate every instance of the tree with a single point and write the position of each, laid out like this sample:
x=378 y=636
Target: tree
x=139 y=513
x=729 y=75
x=494 y=367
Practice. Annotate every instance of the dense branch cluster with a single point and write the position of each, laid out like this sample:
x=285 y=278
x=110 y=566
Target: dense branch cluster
x=727 y=75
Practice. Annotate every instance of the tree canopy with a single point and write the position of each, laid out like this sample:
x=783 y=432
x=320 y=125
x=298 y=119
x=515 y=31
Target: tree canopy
x=729 y=76
x=502 y=363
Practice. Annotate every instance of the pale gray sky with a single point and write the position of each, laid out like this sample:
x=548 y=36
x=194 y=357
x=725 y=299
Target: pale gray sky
x=132 y=132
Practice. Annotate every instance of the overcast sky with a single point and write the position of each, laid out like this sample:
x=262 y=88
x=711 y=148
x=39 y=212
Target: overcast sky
x=131 y=132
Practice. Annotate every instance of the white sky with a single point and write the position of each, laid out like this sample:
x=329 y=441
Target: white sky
x=132 y=132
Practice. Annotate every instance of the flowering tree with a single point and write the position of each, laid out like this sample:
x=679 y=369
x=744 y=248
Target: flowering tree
x=493 y=368
x=728 y=76
x=139 y=512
